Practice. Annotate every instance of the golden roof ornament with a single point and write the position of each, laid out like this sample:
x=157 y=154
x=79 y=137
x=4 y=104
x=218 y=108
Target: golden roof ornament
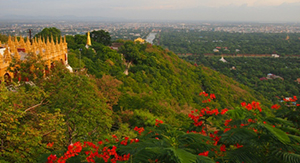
x=41 y=53
x=7 y=55
x=88 y=41
x=1 y=60
x=22 y=42
x=9 y=42
x=52 y=41
x=65 y=40
x=17 y=55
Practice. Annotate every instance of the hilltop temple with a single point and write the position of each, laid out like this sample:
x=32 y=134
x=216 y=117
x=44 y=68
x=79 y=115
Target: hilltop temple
x=140 y=40
x=48 y=50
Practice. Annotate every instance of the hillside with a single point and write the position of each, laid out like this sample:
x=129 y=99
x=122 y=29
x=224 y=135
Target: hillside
x=121 y=94
x=161 y=83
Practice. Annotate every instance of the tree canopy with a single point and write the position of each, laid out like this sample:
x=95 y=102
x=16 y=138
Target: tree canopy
x=101 y=36
x=48 y=32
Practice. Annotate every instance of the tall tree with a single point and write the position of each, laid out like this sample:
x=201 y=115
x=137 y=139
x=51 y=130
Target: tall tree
x=101 y=37
x=3 y=38
x=48 y=32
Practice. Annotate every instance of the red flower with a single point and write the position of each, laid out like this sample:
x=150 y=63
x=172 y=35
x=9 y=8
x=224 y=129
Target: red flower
x=243 y=104
x=224 y=111
x=202 y=93
x=295 y=98
x=227 y=122
x=161 y=122
x=217 y=139
x=226 y=129
x=275 y=106
x=140 y=130
x=212 y=96
x=238 y=146
x=124 y=142
x=51 y=158
x=249 y=107
x=49 y=145
x=204 y=153
x=223 y=148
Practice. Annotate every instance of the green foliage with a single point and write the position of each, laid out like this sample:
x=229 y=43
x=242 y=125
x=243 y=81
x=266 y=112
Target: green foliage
x=160 y=82
x=32 y=68
x=3 y=38
x=76 y=42
x=49 y=32
x=277 y=133
x=67 y=107
x=249 y=71
x=130 y=51
x=101 y=36
x=264 y=140
x=142 y=118
x=74 y=60
x=167 y=144
x=25 y=128
x=201 y=42
x=79 y=99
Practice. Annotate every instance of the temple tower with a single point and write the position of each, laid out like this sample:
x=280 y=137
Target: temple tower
x=88 y=41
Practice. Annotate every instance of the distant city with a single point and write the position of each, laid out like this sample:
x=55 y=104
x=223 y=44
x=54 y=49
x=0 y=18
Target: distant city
x=131 y=31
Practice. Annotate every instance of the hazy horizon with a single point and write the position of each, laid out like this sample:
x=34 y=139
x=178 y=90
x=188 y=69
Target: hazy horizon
x=173 y=10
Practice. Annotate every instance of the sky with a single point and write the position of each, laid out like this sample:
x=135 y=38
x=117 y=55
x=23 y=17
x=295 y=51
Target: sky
x=191 y=10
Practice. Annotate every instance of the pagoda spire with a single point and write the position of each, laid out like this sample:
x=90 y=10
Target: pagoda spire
x=60 y=41
x=7 y=55
x=22 y=42
x=17 y=55
x=28 y=45
x=48 y=42
x=52 y=41
x=88 y=41
x=9 y=38
x=1 y=60
x=65 y=39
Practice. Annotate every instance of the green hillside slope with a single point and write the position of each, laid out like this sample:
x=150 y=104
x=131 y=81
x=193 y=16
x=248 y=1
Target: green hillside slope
x=160 y=83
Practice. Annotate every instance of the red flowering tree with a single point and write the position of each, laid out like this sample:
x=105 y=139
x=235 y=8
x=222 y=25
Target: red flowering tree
x=250 y=133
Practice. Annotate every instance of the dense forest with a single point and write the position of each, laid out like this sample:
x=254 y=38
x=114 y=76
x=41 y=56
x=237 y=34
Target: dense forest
x=140 y=104
x=253 y=72
x=201 y=42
